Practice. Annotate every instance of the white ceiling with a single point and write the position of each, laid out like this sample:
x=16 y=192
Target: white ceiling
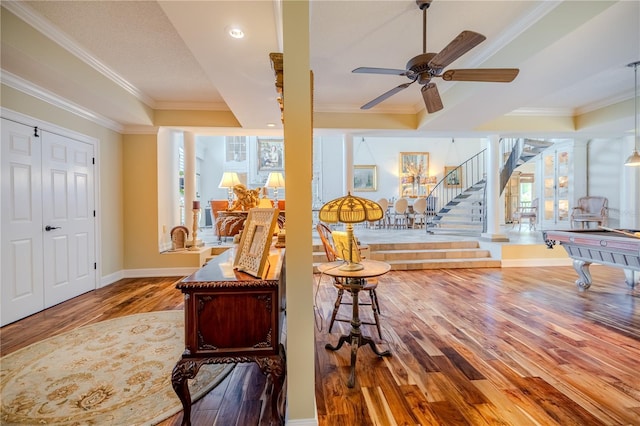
x=572 y=57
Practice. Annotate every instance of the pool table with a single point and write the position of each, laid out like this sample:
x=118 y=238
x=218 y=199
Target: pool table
x=587 y=246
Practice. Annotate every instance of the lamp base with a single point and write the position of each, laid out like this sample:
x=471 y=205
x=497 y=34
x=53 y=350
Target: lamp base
x=351 y=267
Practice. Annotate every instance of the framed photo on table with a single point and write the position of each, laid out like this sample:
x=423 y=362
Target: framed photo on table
x=365 y=178
x=452 y=176
x=253 y=249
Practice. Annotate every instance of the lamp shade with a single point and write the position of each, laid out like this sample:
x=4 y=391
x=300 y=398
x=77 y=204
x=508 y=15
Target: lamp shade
x=229 y=180
x=350 y=209
x=633 y=160
x=275 y=180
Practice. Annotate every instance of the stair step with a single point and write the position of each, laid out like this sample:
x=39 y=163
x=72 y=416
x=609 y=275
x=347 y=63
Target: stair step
x=411 y=255
x=405 y=265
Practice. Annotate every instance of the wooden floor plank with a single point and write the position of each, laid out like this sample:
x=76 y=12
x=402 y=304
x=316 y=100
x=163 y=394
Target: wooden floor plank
x=516 y=346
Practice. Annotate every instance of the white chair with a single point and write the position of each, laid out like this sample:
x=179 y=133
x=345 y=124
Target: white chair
x=418 y=215
x=399 y=213
x=528 y=212
x=590 y=209
x=384 y=204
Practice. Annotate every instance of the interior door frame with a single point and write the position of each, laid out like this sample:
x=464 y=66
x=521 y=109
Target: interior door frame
x=53 y=128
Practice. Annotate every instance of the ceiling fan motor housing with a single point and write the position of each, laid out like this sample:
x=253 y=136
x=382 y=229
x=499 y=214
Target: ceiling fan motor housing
x=419 y=65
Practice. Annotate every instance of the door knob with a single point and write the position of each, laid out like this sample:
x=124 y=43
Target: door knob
x=51 y=228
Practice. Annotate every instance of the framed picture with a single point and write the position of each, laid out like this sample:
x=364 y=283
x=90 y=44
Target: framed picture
x=253 y=250
x=270 y=154
x=452 y=176
x=413 y=171
x=365 y=178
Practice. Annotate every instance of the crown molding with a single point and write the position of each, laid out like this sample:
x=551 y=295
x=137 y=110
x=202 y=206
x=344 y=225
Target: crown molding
x=542 y=112
x=22 y=85
x=24 y=12
x=191 y=106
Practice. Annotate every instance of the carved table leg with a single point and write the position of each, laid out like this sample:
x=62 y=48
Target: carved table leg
x=631 y=277
x=355 y=339
x=273 y=367
x=184 y=369
x=582 y=268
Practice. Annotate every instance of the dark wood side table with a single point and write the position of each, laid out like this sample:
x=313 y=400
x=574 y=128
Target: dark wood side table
x=232 y=317
x=354 y=281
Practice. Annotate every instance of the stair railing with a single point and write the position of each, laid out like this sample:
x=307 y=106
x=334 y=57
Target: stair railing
x=457 y=181
x=515 y=147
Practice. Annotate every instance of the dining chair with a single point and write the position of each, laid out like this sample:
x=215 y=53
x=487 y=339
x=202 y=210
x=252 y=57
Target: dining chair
x=384 y=204
x=370 y=285
x=418 y=215
x=399 y=213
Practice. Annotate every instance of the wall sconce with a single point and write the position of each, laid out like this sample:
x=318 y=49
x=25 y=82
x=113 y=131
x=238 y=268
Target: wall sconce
x=275 y=181
x=229 y=180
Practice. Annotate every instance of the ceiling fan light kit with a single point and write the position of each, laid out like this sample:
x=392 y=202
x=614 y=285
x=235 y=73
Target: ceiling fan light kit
x=426 y=66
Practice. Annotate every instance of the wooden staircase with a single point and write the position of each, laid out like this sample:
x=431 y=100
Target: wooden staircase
x=424 y=255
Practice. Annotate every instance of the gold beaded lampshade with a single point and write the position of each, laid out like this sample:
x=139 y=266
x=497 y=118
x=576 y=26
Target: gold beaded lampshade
x=349 y=210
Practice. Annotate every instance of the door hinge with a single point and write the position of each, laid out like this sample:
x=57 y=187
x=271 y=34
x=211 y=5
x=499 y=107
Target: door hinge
x=95 y=265
x=94 y=213
x=93 y=160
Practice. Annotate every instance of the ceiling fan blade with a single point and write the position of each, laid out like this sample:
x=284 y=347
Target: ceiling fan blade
x=368 y=70
x=386 y=95
x=431 y=97
x=460 y=45
x=497 y=75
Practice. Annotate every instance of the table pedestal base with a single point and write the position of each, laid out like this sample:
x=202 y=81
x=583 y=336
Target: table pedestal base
x=355 y=337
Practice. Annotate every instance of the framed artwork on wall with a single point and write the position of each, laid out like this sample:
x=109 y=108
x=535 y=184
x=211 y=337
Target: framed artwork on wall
x=253 y=249
x=452 y=176
x=365 y=178
x=413 y=172
x=270 y=154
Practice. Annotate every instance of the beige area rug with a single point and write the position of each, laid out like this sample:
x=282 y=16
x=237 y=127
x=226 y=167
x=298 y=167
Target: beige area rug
x=115 y=372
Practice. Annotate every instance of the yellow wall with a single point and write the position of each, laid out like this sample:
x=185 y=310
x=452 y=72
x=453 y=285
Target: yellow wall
x=109 y=205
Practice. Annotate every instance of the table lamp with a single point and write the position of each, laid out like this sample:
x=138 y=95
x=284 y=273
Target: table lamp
x=349 y=210
x=229 y=180
x=275 y=181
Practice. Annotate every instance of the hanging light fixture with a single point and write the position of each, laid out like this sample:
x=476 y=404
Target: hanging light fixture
x=634 y=158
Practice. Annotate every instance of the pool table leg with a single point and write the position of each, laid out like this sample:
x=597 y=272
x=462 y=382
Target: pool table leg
x=582 y=268
x=631 y=277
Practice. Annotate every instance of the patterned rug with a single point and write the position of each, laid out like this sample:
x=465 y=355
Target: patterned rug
x=115 y=372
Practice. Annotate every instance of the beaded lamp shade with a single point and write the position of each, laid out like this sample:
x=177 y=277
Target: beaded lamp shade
x=350 y=209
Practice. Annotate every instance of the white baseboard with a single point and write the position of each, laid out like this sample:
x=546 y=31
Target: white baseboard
x=532 y=263
x=111 y=278
x=302 y=422
x=141 y=273
x=160 y=272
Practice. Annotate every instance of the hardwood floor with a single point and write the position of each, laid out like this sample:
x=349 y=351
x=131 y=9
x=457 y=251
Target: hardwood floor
x=513 y=346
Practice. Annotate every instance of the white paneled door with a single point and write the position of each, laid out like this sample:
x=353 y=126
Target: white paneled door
x=48 y=231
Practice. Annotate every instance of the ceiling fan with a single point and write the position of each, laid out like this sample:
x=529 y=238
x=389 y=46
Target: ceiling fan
x=427 y=66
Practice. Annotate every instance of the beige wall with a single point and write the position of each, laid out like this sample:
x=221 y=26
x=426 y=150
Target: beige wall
x=109 y=163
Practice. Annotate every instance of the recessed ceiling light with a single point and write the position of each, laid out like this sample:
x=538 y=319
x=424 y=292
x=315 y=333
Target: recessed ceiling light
x=271 y=125
x=236 y=32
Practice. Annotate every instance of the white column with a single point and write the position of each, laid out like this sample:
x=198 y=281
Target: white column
x=347 y=147
x=189 y=178
x=493 y=191
x=298 y=134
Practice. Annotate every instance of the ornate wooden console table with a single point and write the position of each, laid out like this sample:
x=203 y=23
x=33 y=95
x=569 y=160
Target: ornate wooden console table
x=232 y=317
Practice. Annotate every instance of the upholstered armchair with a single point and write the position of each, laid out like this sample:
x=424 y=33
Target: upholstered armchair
x=590 y=209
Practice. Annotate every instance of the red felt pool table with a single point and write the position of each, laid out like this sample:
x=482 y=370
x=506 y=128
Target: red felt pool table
x=587 y=246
